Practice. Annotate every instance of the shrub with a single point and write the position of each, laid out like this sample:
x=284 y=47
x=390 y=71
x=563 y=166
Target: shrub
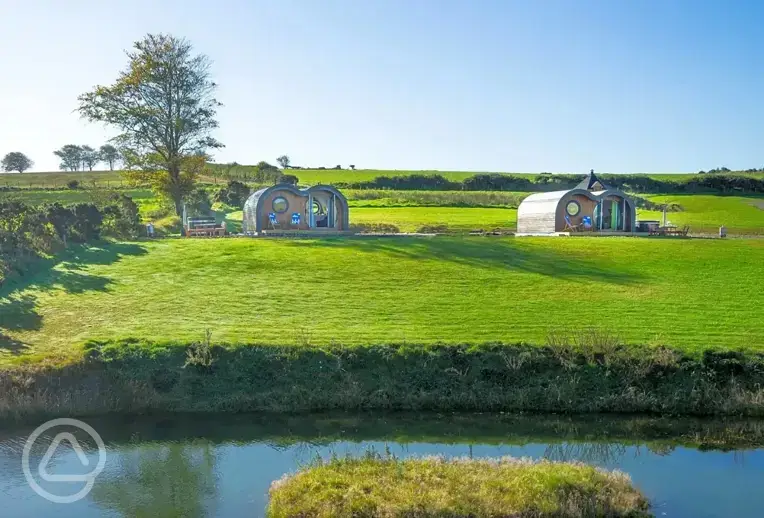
x=290 y=179
x=198 y=202
x=121 y=217
x=199 y=354
x=73 y=184
x=234 y=193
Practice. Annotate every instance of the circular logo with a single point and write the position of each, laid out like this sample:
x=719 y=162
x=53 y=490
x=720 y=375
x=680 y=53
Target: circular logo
x=42 y=469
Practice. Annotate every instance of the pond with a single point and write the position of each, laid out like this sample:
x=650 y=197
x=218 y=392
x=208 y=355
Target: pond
x=223 y=465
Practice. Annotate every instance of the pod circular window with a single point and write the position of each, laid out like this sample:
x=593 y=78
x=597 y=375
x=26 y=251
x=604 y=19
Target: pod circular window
x=280 y=204
x=573 y=208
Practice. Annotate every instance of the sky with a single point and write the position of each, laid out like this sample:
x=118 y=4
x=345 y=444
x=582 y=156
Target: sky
x=473 y=85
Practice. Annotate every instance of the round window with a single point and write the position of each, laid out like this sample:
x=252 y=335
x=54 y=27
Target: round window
x=317 y=208
x=280 y=204
x=573 y=208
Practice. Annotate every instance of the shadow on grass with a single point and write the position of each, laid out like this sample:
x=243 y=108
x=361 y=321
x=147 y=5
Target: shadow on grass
x=11 y=345
x=18 y=310
x=488 y=252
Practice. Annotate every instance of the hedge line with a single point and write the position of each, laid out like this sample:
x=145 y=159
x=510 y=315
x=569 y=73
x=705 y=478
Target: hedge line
x=542 y=182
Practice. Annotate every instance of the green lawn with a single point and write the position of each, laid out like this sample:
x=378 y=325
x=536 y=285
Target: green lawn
x=706 y=213
x=385 y=198
x=685 y=293
x=59 y=179
x=411 y=219
x=34 y=196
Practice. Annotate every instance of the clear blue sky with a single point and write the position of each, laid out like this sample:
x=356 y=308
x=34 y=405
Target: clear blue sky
x=479 y=85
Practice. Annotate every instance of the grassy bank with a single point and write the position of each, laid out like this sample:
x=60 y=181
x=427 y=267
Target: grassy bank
x=688 y=294
x=137 y=377
x=377 y=486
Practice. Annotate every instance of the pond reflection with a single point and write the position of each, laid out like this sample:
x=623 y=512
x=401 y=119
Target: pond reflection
x=222 y=465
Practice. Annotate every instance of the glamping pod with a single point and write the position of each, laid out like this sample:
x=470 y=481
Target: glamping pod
x=284 y=208
x=591 y=206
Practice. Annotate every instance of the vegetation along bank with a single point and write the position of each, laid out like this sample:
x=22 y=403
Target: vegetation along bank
x=134 y=376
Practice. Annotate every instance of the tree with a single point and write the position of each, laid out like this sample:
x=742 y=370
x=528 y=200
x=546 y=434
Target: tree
x=110 y=155
x=90 y=157
x=351 y=166
x=71 y=157
x=267 y=173
x=163 y=103
x=283 y=161
x=16 y=161
x=290 y=179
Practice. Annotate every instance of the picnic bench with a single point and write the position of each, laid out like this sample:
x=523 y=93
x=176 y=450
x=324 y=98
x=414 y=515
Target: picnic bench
x=670 y=230
x=204 y=227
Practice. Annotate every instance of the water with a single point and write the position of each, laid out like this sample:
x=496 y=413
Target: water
x=200 y=466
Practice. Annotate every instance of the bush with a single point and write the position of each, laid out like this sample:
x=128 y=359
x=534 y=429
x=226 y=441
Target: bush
x=290 y=179
x=121 y=218
x=198 y=202
x=28 y=233
x=234 y=194
x=73 y=184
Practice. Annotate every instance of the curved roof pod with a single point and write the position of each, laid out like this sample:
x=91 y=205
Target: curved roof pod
x=538 y=212
x=254 y=214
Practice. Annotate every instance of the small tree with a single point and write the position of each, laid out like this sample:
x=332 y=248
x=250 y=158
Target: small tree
x=71 y=157
x=283 y=161
x=90 y=157
x=163 y=103
x=110 y=155
x=16 y=161
x=267 y=173
x=351 y=166
x=290 y=179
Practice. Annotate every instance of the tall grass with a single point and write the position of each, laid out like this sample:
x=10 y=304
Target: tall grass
x=386 y=487
x=139 y=376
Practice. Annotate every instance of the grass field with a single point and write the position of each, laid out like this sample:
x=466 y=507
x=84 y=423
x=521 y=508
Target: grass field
x=454 y=219
x=59 y=179
x=690 y=294
x=460 y=211
x=72 y=196
x=705 y=213
x=389 y=198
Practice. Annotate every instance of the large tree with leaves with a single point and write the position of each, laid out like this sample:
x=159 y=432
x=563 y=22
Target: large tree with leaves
x=109 y=154
x=90 y=157
x=164 y=106
x=71 y=157
x=16 y=161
